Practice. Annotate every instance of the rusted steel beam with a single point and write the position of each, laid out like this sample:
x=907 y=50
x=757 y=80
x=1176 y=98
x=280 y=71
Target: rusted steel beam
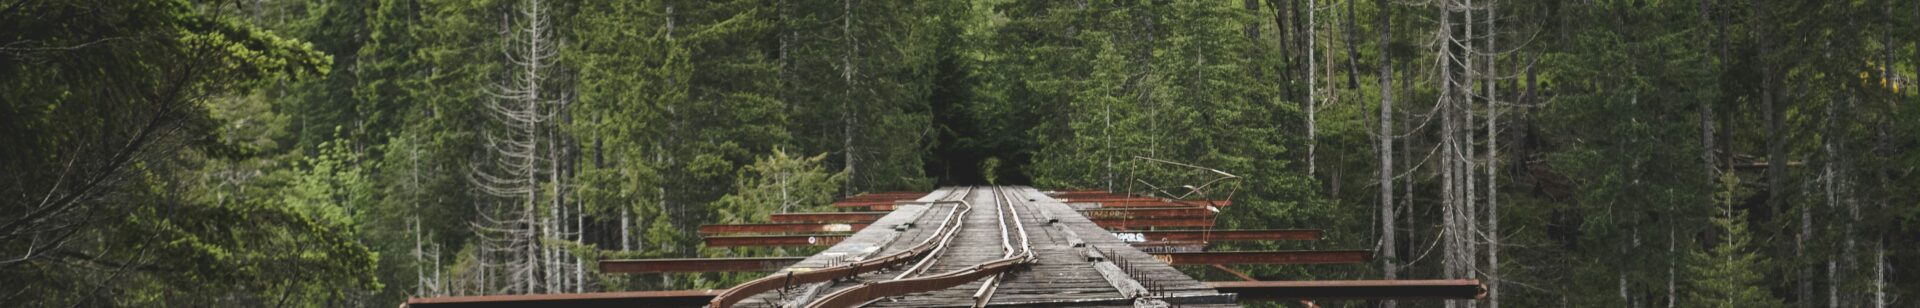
x=879 y=205
x=867 y=203
x=1165 y=203
x=679 y=298
x=697 y=265
x=774 y=240
x=1153 y=222
x=1085 y=194
x=885 y=196
x=842 y=217
x=1204 y=203
x=1175 y=258
x=1116 y=223
x=782 y=228
x=1352 y=289
x=1146 y=212
x=1112 y=199
x=1143 y=203
x=1224 y=235
x=1267 y=257
x=1237 y=274
x=1170 y=246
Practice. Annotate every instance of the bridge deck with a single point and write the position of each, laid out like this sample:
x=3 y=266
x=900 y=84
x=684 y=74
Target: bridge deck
x=1061 y=275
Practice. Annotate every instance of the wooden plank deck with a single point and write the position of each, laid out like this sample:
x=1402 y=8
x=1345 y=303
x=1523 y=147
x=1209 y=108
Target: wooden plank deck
x=1061 y=276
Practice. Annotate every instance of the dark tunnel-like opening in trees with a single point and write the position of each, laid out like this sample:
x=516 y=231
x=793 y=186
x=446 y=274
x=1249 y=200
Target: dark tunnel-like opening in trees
x=973 y=142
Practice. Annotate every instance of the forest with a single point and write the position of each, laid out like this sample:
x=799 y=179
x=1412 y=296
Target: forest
x=322 y=153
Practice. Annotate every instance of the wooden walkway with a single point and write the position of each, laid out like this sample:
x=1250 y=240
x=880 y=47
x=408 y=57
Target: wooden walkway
x=1076 y=263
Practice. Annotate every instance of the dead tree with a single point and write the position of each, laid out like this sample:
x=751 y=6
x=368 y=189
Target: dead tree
x=1387 y=243
x=520 y=150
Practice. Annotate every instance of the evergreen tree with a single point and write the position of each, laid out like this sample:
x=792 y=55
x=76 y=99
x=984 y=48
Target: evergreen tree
x=1731 y=273
x=126 y=187
x=779 y=183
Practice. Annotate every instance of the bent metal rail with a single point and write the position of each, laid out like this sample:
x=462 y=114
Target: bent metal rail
x=949 y=226
x=991 y=270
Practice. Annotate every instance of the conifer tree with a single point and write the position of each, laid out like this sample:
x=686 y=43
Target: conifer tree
x=1731 y=273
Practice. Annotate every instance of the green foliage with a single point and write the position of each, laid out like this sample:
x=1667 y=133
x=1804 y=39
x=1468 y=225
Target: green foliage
x=323 y=153
x=779 y=183
x=126 y=187
x=860 y=74
x=1730 y=274
x=331 y=187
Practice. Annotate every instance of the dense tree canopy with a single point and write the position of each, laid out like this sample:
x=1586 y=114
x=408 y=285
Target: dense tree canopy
x=1683 y=153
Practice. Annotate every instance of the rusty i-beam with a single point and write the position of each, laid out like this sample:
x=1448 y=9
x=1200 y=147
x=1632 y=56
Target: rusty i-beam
x=839 y=217
x=1175 y=258
x=697 y=265
x=1145 y=212
x=1104 y=200
x=1267 y=257
x=851 y=226
x=1152 y=222
x=1152 y=238
x=883 y=205
x=1352 y=289
x=1244 y=290
x=679 y=298
x=774 y=240
x=1226 y=235
x=1165 y=203
x=782 y=228
x=888 y=195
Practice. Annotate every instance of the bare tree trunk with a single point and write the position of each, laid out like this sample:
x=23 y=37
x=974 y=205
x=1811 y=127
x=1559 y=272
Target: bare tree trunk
x=850 y=114
x=1493 y=163
x=1448 y=200
x=1406 y=160
x=579 y=236
x=419 y=257
x=1469 y=166
x=1388 y=268
x=626 y=234
x=1469 y=173
x=1353 y=52
x=1313 y=90
x=1456 y=171
x=554 y=217
x=1879 y=275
